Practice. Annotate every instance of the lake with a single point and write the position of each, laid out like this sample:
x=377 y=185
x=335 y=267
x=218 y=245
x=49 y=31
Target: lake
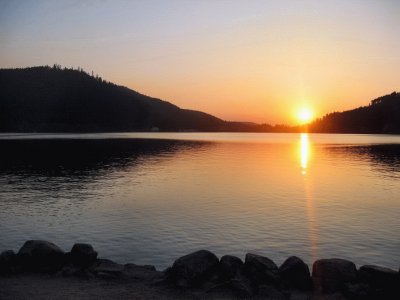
x=148 y=198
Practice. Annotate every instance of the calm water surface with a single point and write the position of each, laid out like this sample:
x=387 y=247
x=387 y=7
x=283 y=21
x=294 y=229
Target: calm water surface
x=150 y=198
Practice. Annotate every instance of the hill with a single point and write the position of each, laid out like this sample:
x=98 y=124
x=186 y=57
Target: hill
x=382 y=115
x=53 y=99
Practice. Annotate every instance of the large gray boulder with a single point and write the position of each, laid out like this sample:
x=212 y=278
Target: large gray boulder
x=230 y=266
x=42 y=256
x=260 y=269
x=193 y=269
x=295 y=273
x=82 y=255
x=332 y=275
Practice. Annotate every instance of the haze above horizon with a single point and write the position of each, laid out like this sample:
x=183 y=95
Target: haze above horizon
x=259 y=61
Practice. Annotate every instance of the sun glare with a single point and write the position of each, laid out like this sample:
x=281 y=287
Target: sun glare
x=304 y=115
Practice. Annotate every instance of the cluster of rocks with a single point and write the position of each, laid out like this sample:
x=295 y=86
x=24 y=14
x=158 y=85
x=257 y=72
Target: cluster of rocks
x=260 y=276
x=45 y=257
x=257 y=276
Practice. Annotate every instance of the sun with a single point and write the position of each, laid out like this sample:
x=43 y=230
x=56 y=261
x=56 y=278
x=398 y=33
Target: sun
x=304 y=115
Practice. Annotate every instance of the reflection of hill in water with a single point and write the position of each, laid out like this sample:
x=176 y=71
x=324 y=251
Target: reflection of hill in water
x=81 y=157
x=67 y=171
x=384 y=158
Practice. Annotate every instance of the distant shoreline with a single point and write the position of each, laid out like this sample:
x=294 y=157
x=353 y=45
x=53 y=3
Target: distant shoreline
x=187 y=132
x=45 y=99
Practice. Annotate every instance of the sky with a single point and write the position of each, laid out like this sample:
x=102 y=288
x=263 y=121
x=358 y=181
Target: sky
x=258 y=61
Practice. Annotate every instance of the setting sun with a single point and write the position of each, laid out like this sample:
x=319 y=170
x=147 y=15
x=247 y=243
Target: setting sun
x=304 y=115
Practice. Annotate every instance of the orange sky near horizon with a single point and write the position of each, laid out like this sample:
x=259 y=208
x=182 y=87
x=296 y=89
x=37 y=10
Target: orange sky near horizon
x=257 y=61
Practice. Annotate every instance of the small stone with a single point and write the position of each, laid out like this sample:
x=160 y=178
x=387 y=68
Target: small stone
x=106 y=275
x=145 y=272
x=106 y=266
x=75 y=271
x=69 y=270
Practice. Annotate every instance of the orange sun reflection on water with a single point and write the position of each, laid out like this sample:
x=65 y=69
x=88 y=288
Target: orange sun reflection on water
x=304 y=152
x=305 y=155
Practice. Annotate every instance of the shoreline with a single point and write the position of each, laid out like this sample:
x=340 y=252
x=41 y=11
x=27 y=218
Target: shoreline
x=41 y=270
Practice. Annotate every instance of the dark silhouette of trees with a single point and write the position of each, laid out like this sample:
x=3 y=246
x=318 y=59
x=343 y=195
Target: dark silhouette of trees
x=57 y=99
x=382 y=115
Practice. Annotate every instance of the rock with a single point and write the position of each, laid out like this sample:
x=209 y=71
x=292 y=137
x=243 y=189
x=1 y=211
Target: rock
x=145 y=272
x=194 y=268
x=378 y=276
x=106 y=275
x=143 y=267
x=384 y=282
x=269 y=292
x=106 y=268
x=229 y=266
x=75 y=271
x=7 y=262
x=231 y=289
x=331 y=275
x=295 y=274
x=357 y=291
x=42 y=256
x=260 y=269
x=69 y=270
x=83 y=255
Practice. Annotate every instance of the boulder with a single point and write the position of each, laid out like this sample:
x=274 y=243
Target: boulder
x=42 y=256
x=193 y=269
x=358 y=291
x=295 y=274
x=82 y=255
x=232 y=289
x=384 y=282
x=230 y=266
x=378 y=276
x=269 y=292
x=260 y=269
x=331 y=275
x=7 y=262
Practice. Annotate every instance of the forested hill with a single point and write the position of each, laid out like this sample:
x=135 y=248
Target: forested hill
x=382 y=115
x=55 y=99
